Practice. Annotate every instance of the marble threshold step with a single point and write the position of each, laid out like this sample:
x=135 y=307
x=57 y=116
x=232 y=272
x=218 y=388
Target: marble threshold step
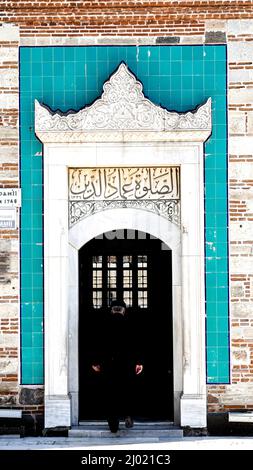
x=151 y=429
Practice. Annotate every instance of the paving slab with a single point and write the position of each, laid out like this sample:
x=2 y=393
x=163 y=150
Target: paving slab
x=117 y=443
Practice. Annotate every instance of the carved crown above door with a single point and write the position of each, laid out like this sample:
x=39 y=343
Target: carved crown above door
x=122 y=113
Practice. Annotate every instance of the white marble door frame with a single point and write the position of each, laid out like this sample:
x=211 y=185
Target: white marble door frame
x=61 y=269
x=123 y=128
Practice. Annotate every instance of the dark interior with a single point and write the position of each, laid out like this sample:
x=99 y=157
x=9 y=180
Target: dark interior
x=137 y=270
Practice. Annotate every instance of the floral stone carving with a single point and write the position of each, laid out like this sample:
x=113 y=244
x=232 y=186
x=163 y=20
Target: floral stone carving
x=122 y=108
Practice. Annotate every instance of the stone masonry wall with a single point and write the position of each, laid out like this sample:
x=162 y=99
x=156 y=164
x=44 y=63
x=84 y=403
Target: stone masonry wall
x=11 y=394
x=137 y=22
x=239 y=395
x=9 y=239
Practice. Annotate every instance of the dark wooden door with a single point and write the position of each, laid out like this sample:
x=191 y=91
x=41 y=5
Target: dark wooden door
x=137 y=271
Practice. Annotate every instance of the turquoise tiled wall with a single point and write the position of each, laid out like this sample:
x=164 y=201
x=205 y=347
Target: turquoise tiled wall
x=177 y=77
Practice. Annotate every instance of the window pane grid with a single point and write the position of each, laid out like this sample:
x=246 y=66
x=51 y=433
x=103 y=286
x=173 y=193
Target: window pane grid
x=97 y=298
x=111 y=295
x=142 y=281
x=97 y=262
x=127 y=262
x=128 y=298
x=120 y=277
x=97 y=279
x=127 y=278
x=142 y=299
x=142 y=261
x=112 y=279
x=112 y=262
x=142 y=278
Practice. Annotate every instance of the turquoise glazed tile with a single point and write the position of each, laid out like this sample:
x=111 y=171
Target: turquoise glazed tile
x=222 y=357
x=37 y=340
x=38 y=293
x=26 y=339
x=211 y=309
x=213 y=355
x=37 y=265
x=27 y=354
x=154 y=69
x=222 y=279
x=37 y=281
x=221 y=310
x=165 y=54
x=211 y=279
x=27 y=326
x=26 y=294
x=37 y=325
x=69 y=54
x=26 y=262
x=198 y=53
x=175 y=52
x=58 y=54
x=36 y=355
x=209 y=52
x=176 y=69
x=213 y=370
x=177 y=77
x=211 y=324
x=143 y=68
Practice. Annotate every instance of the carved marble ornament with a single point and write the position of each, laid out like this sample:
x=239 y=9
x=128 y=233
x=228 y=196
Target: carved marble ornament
x=122 y=113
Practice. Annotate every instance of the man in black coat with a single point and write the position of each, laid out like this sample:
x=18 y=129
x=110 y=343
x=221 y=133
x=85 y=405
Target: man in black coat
x=118 y=361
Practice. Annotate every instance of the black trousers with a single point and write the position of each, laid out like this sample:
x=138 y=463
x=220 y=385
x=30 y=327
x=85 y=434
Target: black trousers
x=118 y=380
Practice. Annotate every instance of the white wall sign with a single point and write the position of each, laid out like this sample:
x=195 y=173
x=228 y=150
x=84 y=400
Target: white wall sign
x=10 y=197
x=7 y=218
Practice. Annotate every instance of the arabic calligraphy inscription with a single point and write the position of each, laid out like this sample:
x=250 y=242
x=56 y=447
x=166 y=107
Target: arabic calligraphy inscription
x=153 y=189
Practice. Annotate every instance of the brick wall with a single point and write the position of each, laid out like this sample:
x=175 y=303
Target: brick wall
x=131 y=22
x=9 y=244
x=11 y=394
x=130 y=17
x=239 y=394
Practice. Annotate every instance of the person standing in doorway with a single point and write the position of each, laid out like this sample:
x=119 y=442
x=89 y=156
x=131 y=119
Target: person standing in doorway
x=118 y=363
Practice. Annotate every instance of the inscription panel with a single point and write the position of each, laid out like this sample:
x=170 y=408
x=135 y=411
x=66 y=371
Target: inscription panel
x=153 y=189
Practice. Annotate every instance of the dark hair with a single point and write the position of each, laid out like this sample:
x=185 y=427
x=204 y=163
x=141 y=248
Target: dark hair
x=117 y=303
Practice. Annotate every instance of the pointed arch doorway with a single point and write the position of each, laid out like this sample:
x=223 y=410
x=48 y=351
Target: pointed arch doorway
x=135 y=267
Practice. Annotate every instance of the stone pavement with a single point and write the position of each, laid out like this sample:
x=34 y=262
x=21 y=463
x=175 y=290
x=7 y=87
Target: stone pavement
x=117 y=443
